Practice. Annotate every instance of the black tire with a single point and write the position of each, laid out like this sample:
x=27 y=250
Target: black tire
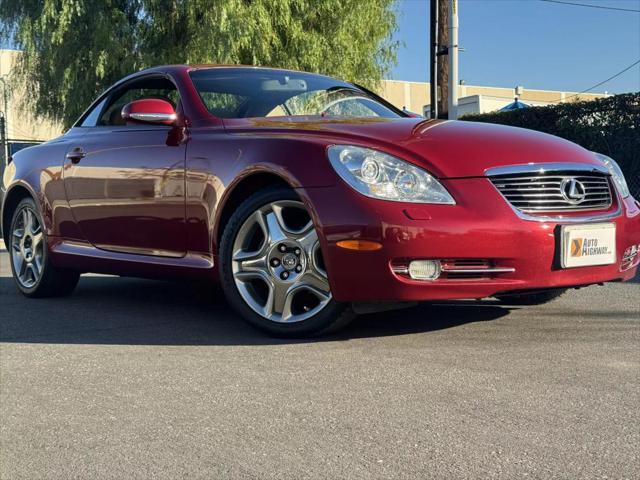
x=331 y=318
x=532 y=298
x=52 y=281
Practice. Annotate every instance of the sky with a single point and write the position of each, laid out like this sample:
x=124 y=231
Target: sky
x=532 y=43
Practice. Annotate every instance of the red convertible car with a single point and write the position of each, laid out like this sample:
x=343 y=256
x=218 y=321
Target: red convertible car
x=310 y=199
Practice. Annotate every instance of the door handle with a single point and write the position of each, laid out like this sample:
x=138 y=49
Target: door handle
x=76 y=154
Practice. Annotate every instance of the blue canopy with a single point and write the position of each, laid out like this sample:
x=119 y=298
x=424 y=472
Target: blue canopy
x=516 y=105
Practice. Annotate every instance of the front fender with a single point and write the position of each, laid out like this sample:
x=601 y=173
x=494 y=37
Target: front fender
x=16 y=187
x=218 y=163
x=38 y=169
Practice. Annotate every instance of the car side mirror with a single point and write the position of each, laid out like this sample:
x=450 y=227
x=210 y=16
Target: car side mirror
x=153 y=111
x=412 y=114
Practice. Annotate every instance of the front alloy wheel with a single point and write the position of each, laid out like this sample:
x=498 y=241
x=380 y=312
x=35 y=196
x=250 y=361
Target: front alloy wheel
x=34 y=274
x=275 y=265
x=27 y=247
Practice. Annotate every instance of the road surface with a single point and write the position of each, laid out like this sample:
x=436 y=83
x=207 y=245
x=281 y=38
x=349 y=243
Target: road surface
x=139 y=379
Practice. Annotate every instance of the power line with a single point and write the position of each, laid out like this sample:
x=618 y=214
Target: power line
x=592 y=6
x=604 y=81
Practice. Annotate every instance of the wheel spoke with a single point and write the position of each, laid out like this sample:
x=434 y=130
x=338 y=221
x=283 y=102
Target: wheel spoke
x=308 y=241
x=248 y=275
x=275 y=231
x=18 y=262
x=21 y=267
x=37 y=240
x=29 y=219
x=248 y=230
x=322 y=296
x=316 y=256
x=278 y=207
x=279 y=301
x=251 y=260
x=31 y=268
x=248 y=260
x=37 y=228
x=18 y=233
x=37 y=263
x=316 y=282
x=25 y=219
x=253 y=264
x=258 y=219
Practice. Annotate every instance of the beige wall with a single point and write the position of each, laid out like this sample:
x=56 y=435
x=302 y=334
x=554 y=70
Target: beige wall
x=21 y=125
x=415 y=95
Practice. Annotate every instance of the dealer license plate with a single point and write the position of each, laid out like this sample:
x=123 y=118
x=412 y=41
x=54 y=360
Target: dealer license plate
x=587 y=245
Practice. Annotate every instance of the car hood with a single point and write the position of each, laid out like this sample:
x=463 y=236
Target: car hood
x=448 y=149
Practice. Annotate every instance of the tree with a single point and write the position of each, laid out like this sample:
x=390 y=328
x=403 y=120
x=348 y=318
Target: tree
x=73 y=49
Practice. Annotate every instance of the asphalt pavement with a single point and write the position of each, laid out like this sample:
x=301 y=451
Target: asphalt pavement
x=136 y=379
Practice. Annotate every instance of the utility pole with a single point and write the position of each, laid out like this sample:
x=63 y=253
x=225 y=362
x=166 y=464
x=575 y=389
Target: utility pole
x=433 y=77
x=453 y=60
x=443 y=64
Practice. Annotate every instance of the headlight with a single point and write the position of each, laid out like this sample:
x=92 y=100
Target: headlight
x=616 y=174
x=379 y=175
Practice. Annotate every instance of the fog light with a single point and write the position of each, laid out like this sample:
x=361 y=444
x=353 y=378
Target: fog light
x=630 y=258
x=424 y=269
x=631 y=253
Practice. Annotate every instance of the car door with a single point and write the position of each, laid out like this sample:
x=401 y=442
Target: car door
x=125 y=182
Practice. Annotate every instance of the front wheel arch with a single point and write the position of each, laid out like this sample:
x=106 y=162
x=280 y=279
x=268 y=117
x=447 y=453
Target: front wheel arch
x=238 y=192
x=11 y=201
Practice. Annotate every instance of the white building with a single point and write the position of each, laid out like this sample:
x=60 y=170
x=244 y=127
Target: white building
x=415 y=97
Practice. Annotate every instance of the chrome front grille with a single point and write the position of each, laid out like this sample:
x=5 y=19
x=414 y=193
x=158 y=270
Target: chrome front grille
x=555 y=191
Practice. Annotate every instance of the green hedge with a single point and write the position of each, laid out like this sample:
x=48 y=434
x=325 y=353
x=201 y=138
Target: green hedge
x=608 y=125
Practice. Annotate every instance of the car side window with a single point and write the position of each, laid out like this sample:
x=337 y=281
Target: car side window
x=155 y=87
x=92 y=119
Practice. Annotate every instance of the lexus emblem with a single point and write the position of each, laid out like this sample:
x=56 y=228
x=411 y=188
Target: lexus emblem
x=572 y=190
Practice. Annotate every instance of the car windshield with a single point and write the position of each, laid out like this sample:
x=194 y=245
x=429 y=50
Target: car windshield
x=258 y=92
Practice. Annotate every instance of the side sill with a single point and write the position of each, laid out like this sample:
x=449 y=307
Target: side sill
x=81 y=249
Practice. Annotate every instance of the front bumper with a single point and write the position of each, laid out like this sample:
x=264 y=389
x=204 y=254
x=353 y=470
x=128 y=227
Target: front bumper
x=482 y=226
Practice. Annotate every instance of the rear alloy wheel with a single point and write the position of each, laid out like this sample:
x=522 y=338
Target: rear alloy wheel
x=272 y=267
x=33 y=273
